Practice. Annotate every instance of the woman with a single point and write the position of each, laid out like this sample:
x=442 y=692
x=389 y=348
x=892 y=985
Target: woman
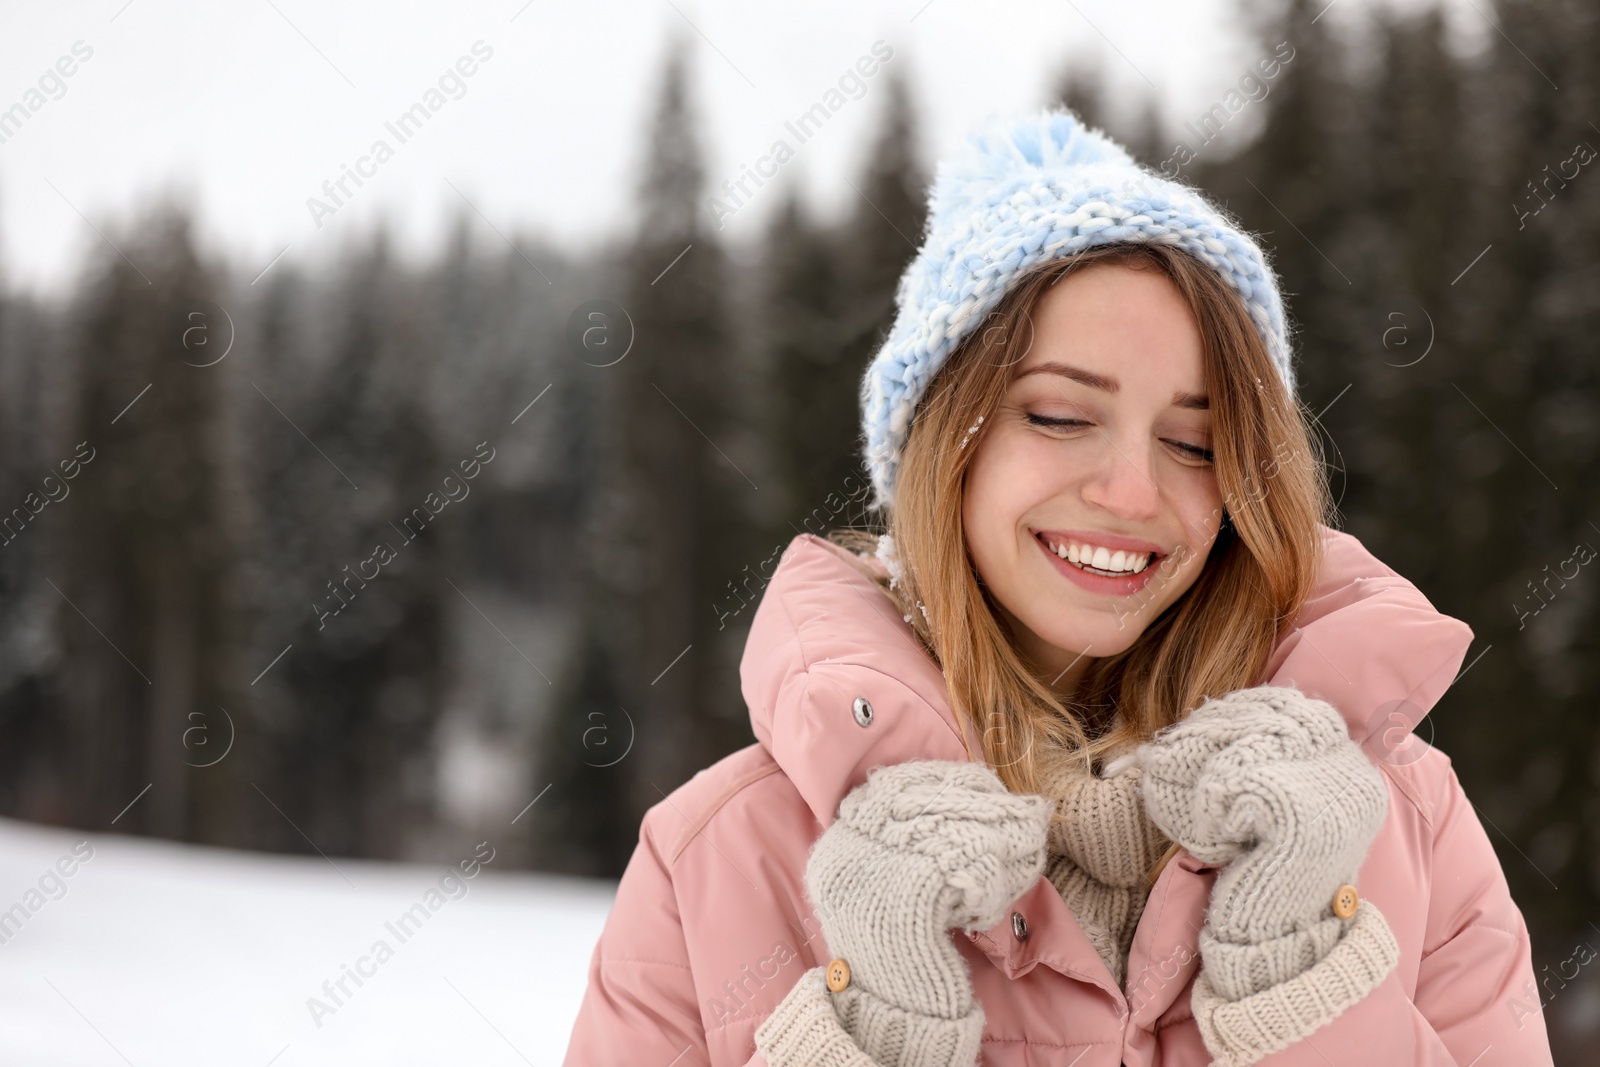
x=1108 y=698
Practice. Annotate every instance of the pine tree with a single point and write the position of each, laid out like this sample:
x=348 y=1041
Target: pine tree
x=584 y=822
x=1526 y=310
x=356 y=700
x=669 y=521
x=1081 y=88
x=828 y=303
x=146 y=608
x=885 y=227
x=39 y=767
x=813 y=420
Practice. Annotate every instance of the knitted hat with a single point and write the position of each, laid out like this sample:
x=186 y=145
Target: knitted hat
x=1027 y=191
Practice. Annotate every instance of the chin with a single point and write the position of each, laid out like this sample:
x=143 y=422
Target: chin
x=1116 y=641
x=1097 y=641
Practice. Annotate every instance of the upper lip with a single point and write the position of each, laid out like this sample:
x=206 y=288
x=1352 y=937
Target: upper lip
x=1110 y=541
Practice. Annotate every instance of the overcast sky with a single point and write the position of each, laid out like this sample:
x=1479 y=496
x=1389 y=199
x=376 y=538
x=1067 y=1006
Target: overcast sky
x=245 y=108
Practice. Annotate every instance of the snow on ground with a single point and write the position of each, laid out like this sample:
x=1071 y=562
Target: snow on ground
x=153 y=953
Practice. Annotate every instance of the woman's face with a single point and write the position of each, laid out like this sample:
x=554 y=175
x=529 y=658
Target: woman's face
x=1099 y=453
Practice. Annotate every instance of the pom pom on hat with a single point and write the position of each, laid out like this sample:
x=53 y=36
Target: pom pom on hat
x=1023 y=192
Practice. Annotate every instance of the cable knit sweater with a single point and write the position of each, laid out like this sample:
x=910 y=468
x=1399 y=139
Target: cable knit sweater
x=1101 y=847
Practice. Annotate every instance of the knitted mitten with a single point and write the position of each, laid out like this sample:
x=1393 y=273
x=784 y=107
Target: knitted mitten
x=1268 y=781
x=917 y=849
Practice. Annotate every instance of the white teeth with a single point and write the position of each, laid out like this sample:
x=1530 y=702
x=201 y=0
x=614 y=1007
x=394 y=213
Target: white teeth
x=1101 y=558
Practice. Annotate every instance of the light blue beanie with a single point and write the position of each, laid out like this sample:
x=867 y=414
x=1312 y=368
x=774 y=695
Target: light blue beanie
x=1027 y=191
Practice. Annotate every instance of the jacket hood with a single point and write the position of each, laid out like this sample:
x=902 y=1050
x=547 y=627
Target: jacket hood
x=837 y=682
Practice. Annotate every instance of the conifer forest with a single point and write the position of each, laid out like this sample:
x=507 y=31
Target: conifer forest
x=366 y=557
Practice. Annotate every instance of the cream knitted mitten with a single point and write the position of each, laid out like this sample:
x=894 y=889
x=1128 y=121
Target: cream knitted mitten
x=1268 y=781
x=919 y=848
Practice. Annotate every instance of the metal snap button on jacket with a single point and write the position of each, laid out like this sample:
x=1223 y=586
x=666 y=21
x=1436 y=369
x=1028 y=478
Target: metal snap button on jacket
x=863 y=711
x=1019 y=926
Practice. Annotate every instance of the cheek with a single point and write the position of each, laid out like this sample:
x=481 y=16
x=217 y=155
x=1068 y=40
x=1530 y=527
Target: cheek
x=1000 y=483
x=1198 y=506
x=1198 y=503
x=981 y=507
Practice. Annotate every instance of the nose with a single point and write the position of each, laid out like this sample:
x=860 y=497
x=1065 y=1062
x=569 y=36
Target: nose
x=1125 y=485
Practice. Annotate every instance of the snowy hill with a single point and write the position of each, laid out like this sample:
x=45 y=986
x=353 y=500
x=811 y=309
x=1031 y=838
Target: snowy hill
x=147 y=953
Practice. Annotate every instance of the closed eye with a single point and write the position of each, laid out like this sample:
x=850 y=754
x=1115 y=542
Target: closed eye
x=1204 y=455
x=1056 y=424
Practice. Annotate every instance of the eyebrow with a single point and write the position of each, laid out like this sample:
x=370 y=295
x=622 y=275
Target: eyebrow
x=1192 y=401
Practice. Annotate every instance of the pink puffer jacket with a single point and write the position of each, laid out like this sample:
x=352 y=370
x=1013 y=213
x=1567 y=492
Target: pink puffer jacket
x=711 y=925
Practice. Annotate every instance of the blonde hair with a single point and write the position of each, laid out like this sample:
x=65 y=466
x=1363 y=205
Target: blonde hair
x=1214 y=639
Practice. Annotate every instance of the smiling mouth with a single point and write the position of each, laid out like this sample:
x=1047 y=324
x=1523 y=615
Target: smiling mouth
x=1098 y=559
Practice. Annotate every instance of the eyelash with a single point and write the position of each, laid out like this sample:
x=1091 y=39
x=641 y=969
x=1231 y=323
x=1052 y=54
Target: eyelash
x=1204 y=454
x=1055 y=424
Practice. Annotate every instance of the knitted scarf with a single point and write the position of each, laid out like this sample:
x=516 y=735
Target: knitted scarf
x=1101 y=846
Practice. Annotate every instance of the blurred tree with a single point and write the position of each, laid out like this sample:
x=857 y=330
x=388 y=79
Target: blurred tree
x=585 y=823
x=1524 y=425
x=883 y=231
x=37 y=765
x=148 y=548
x=669 y=511
x=827 y=303
x=355 y=463
x=1081 y=87
x=813 y=407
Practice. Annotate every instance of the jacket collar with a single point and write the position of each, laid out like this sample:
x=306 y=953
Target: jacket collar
x=1369 y=643
x=824 y=638
x=1366 y=640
